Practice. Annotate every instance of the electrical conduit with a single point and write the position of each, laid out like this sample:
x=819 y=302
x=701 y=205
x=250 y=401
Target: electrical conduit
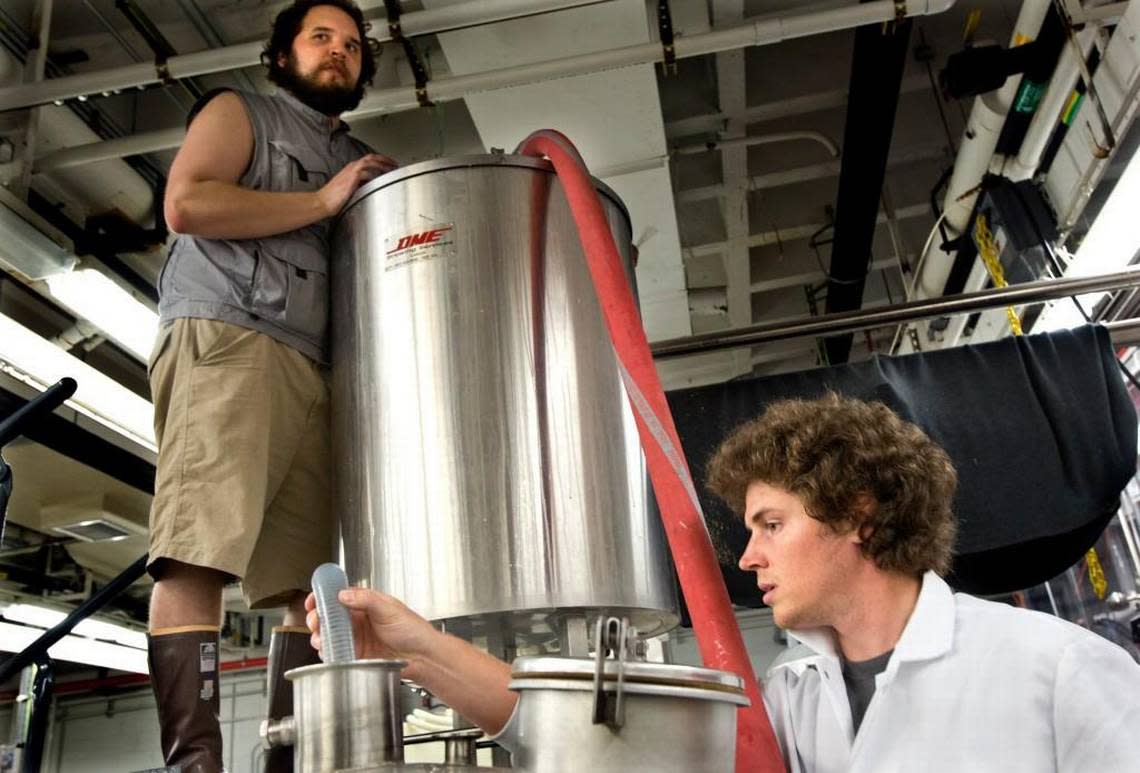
x=719 y=639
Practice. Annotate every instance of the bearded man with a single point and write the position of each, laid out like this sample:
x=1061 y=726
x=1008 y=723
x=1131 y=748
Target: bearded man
x=238 y=374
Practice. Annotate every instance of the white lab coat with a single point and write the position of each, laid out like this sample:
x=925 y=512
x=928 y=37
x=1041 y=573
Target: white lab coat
x=972 y=686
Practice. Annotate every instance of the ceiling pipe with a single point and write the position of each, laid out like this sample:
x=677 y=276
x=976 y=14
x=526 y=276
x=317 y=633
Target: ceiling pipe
x=818 y=171
x=758 y=139
x=215 y=60
x=975 y=153
x=863 y=319
x=655 y=162
x=758 y=33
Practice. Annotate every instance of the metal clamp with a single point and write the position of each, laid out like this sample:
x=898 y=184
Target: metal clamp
x=612 y=635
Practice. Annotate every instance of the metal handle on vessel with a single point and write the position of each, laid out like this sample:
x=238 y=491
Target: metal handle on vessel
x=611 y=634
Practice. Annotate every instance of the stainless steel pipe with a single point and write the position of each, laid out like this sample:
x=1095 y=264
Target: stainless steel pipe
x=851 y=321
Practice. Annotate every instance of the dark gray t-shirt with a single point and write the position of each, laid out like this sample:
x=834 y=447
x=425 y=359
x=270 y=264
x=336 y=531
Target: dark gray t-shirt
x=859 y=677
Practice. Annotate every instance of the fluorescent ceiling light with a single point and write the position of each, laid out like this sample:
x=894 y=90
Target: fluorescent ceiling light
x=30 y=614
x=1110 y=245
x=93 y=642
x=44 y=617
x=97 y=629
x=27 y=251
x=15 y=638
x=95 y=297
x=37 y=361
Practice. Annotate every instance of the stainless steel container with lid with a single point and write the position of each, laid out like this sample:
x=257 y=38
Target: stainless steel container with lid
x=662 y=717
x=347 y=715
x=488 y=467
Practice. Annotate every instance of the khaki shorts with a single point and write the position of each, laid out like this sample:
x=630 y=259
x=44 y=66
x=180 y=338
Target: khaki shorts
x=244 y=458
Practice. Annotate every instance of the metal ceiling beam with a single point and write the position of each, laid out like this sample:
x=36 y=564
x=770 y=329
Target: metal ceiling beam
x=382 y=101
x=213 y=60
x=34 y=67
x=782 y=108
x=812 y=277
x=730 y=80
x=795 y=232
x=800 y=174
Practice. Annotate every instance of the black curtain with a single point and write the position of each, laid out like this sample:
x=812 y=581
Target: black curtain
x=1041 y=430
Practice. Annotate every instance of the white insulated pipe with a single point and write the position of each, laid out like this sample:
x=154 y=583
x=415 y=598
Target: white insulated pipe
x=975 y=153
x=1056 y=96
x=758 y=33
x=110 y=181
x=214 y=60
x=93 y=152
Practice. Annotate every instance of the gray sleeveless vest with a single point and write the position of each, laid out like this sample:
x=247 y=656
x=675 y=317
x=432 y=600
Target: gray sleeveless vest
x=277 y=285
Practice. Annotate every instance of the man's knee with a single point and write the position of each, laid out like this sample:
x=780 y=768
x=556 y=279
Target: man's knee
x=185 y=594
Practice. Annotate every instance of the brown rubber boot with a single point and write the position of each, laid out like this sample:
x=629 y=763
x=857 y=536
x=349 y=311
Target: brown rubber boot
x=184 y=674
x=289 y=648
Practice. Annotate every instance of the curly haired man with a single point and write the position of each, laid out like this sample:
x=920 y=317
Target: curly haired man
x=850 y=514
x=849 y=509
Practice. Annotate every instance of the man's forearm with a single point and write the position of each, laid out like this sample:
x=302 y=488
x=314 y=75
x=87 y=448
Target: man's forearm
x=468 y=680
x=220 y=210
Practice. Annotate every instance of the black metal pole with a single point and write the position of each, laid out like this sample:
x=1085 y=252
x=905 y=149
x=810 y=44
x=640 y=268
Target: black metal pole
x=21 y=660
x=13 y=426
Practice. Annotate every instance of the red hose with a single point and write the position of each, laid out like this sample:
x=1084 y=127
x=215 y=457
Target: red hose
x=714 y=624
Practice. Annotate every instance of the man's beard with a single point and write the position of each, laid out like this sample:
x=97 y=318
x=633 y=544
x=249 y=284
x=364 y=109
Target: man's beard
x=330 y=99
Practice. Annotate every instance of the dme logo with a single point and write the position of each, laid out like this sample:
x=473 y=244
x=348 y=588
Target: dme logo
x=416 y=239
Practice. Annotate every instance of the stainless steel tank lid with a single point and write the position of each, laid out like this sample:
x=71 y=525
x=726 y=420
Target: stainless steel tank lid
x=635 y=673
x=462 y=162
x=379 y=664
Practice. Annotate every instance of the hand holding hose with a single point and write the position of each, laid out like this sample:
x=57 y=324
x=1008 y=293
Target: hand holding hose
x=382 y=627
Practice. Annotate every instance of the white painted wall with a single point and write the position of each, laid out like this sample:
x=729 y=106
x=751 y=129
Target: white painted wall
x=97 y=735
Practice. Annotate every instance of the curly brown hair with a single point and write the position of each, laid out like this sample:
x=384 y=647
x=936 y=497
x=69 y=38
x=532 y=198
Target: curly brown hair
x=833 y=452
